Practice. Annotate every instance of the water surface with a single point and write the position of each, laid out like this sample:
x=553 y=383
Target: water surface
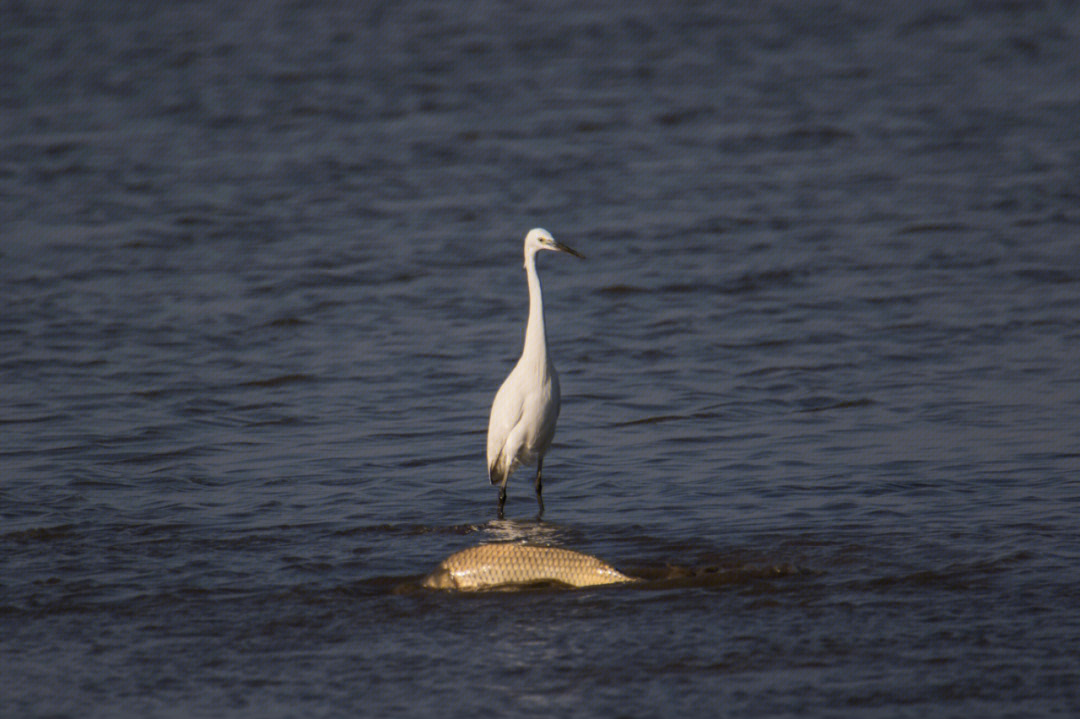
x=261 y=274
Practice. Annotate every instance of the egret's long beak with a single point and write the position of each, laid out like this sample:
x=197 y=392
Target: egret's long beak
x=567 y=249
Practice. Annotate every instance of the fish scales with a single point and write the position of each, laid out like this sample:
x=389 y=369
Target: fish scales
x=501 y=565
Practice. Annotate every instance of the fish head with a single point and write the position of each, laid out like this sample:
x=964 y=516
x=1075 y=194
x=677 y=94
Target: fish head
x=441 y=578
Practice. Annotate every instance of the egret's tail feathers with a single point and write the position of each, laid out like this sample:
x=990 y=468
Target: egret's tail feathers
x=495 y=475
x=498 y=470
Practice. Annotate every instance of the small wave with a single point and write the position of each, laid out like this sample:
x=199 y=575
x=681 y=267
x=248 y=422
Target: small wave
x=1047 y=275
x=919 y=228
x=649 y=420
x=619 y=290
x=40 y=534
x=280 y=380
x=406 y=529
x=823 y=404
x=287 y=322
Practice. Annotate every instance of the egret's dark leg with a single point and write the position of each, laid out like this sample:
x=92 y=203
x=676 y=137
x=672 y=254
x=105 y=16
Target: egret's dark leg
x=502 y=499
x=539 y=488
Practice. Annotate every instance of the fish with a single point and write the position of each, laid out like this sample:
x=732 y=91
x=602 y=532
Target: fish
x=510 y=564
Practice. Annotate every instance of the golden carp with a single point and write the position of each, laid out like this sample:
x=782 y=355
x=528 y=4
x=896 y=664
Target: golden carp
x=508 y=564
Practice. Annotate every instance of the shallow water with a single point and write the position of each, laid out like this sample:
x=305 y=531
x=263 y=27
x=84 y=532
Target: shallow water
x=261 y=272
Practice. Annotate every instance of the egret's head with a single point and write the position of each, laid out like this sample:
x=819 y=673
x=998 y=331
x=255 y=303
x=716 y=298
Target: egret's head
x=540 y=239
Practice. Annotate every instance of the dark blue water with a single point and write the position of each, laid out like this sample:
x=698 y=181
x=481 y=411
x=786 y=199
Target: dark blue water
x=261 y=277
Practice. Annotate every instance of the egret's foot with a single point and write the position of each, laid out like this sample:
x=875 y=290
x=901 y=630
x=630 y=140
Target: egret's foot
x=502 y=500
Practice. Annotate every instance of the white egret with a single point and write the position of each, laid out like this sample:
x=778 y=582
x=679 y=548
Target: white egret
x=526 y=407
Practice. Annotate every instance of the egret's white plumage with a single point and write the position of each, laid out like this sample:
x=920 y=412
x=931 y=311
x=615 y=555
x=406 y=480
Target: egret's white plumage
x=526 y=406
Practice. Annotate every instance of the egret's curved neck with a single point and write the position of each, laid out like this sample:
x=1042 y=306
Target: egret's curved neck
x=535 y=334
